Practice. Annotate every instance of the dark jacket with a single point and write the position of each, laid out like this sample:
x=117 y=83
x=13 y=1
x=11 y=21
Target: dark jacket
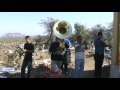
x=53 y=48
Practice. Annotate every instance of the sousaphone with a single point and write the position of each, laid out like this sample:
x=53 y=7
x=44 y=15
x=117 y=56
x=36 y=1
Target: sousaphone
x=62 y=29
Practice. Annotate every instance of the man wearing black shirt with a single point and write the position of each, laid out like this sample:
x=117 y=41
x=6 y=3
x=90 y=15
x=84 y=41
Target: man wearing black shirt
x=56 y=57
x=28 y=50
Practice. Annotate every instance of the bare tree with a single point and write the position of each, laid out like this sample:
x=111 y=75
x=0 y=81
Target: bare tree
x=81 y=30
x=48 y=25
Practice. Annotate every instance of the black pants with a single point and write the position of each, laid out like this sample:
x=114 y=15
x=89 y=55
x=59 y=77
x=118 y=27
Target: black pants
x=98 y=64
x=64 y=65
x=65 y=61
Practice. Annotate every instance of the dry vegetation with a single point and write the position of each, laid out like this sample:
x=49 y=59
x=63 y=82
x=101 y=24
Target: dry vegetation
x=10 y=40
x=39 y=66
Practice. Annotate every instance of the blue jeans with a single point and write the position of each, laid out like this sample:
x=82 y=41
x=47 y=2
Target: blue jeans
x=79 y=68
x=24 y=65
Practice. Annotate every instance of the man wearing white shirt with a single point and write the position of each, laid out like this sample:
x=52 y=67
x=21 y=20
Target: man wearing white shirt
x=79 y=57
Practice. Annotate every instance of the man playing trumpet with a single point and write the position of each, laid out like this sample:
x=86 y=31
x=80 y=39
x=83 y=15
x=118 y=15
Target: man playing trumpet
x=80 y=47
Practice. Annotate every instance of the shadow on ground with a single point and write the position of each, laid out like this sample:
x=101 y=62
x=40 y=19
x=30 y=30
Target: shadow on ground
x=105 y=72
x=37 y=71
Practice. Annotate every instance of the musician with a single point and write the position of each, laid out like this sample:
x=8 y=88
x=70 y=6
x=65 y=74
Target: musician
x=80 y=47
x=68 y=49
x=99 y=54
x=57 y=50
x=66 y=56
x=28 y=50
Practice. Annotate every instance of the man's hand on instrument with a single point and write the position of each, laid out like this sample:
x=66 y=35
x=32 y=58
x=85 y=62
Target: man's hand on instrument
x=24 y=50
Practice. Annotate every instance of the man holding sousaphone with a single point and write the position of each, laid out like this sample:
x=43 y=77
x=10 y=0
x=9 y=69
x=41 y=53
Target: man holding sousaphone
x=62 y=30
x=57 y=50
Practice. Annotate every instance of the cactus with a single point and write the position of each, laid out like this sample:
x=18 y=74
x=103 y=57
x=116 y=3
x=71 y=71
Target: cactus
x=11 y=58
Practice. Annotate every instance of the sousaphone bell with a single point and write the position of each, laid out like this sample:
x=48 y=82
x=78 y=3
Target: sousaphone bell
x=62 y=29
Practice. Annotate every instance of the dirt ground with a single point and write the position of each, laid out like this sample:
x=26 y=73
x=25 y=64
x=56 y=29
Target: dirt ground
x=39 y=66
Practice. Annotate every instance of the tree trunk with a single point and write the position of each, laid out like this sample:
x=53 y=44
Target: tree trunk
x=49 y=38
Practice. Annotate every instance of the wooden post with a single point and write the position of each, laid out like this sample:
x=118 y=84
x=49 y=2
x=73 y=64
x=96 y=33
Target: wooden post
x=114 y=70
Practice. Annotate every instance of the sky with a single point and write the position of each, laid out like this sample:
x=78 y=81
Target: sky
x=27 y=22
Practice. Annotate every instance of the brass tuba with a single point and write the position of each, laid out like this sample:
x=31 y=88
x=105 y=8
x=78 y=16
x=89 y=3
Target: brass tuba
x=62 y=29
